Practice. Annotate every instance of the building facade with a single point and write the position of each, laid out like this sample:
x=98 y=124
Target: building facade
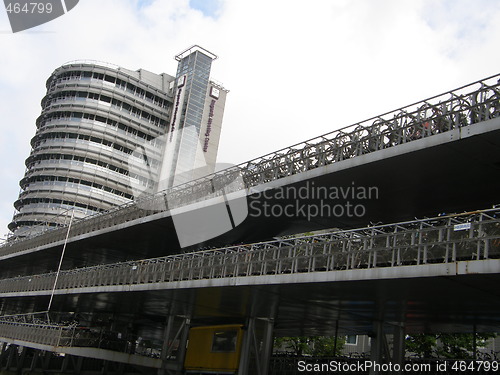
x=103 y=136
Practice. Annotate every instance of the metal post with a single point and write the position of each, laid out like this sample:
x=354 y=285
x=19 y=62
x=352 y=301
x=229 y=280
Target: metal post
x=376 y=347
x=181 y=352
x=336 y=337
x=12 y=351
x=61 y=260
x=64 y=365
x=246 y=348
x=398 y=349
x=181 y=335
x=121 y=369
x=46 y=360
x=258 y=365
x=21 y=358
x=79 y=364
x=267 y=347
x=474 y=342
x=165 y=345
x=36 y=354
x=105 y=367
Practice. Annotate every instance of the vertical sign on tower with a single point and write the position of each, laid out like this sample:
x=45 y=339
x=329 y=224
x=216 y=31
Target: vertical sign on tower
x=176 y=113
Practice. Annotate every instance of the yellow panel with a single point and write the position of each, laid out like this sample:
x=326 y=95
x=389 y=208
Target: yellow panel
x=200 y=354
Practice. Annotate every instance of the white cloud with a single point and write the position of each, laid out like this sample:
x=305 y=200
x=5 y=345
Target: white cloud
x=296 y=69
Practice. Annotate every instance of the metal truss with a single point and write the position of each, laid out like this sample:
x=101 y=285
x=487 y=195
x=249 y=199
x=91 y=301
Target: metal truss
x=467 y=105
x=468 y=236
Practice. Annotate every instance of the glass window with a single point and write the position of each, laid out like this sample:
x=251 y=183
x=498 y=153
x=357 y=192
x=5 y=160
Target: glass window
x=224 y=341
x=351 y=340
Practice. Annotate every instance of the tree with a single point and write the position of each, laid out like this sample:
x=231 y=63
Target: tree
x=297 y=345
x=421 y=344
x=460 y=345
x=324 y=346
x=446 y=345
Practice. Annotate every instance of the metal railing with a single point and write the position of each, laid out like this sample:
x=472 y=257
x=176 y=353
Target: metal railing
x=39 y=328
x=467 y=105
x=468 y=236
x=42 y=334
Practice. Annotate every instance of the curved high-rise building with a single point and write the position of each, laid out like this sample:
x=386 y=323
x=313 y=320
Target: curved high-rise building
x=93 y=116
x=97 y=124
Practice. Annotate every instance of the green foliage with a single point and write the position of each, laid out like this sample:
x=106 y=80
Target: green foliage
x=453 y=346
x=318 y=346
x=460 y=346
x=325 y=345
x=420 y=344
x=296 y=345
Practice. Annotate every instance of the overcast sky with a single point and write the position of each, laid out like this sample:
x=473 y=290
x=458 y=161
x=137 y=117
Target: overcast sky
x=295 y=68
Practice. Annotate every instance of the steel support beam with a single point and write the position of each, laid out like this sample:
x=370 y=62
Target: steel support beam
x=170 y=366
x=267 y=346
x=246 y=347
x=377 y=346
x=398 y=346
x=256 y=351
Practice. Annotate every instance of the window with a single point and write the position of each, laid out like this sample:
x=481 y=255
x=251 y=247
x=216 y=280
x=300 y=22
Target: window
x=351 y=340
x=224 y=341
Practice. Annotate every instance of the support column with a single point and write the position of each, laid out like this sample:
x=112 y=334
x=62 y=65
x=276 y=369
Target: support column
x=12 y=352
x=121 y=369
x=267 y=346
x=64 y=365
x=168 y=342
x=4 y=354
x=246 y=347
x=377 y=345
x=36 y=354
x=105 y=367
x=21 y=359
x=166 y=335
x=335 y=343
x=398 y=349
x=47 y=356
x=79 y=364
x=181 y=351
x=474 y=343
x=260 y=347
x=166 y=347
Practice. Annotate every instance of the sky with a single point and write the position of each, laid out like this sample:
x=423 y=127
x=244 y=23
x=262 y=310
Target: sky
x=295 y=69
